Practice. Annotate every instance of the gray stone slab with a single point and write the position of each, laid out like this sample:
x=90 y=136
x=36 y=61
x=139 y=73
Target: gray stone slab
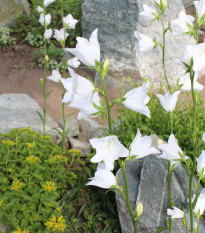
x=11 y=8
x=72 y=125
x=19 y=111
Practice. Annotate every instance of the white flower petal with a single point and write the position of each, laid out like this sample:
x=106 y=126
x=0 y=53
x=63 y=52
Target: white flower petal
x=87 y=51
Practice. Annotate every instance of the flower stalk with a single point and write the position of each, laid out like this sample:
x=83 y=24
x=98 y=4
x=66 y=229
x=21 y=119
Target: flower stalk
x=163 y=55
x=195 y=150
x=64 y=74
x=121 y=163
x=44 y=81
x=122 y=166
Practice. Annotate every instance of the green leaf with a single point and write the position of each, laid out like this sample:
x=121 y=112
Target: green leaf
x=40 y=115
x=161 y=229
x=81 y=209
x=49 y=93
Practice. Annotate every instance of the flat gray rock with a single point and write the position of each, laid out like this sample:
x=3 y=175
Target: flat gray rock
x=19 y=111
x=90 y=129
x=72 y=125
x=84 y=147
x=11 y=8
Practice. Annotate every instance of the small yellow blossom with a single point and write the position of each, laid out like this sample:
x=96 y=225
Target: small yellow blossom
x=49 y=186
x=56 y=223
x=9 y=143
x=30 y=145
x=58 y=157
x=18 y=230
x=49 y=204
x=16 y=185
x=75 y=151
x=32 y=159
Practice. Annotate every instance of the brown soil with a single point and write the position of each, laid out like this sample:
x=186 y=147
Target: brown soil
x=17 y=76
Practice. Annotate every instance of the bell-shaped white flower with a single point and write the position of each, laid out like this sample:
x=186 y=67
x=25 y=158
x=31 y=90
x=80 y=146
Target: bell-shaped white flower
x=168 y=101
x=186 y=82
x=171 y=150
x=200 y=204
x=175 y=213
x=103 y=178
x=201 y=162
x=73 y=62
x=69 y=22
x=48 y=2
x=200 y=7
x=144 y=43
x=199 y=57
x=47 y=19
x=141 y=146
x=108 y=149
x=136 y=100
x=55 y=77
x=87 y=51
x=39 y=9
x=149 y=13
x=76 y=85
x=85 y=105
x=48 y=33
x=179 y=26
x=60 y=35
x=197 y=53
x=80 y=92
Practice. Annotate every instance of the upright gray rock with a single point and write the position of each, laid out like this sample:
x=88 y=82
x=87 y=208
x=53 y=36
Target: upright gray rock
x=19 y=111
x=11 y=8
x=117 y=20
x=147 y=182
x=187 y=3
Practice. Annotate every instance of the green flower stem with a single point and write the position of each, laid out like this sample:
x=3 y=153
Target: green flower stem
x=195 y=149
x=107 y=103
x=122 y=166
x=163 y=55
x=64 y=75
x=119 y=160
x=44 y=83
x=170 y=193
x=170 y=179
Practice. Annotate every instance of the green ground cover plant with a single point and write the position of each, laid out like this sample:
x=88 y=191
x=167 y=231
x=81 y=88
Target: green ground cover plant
x=43 y=191
x=5 y=37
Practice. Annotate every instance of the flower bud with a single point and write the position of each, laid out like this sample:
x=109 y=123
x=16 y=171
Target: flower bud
x=160 y=141
x=139 y=209
x=46 y=58
x=106 y=64
x=41 y=80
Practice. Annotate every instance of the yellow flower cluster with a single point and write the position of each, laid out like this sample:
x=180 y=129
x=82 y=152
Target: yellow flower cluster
x=56 y=223
x=75 y=151
x=49 y=186
x=58 y=157
x=16 y=185
x=1 y=202
x=10 y=143
x=30 y=145
x=32 y=159
x=20 y=231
